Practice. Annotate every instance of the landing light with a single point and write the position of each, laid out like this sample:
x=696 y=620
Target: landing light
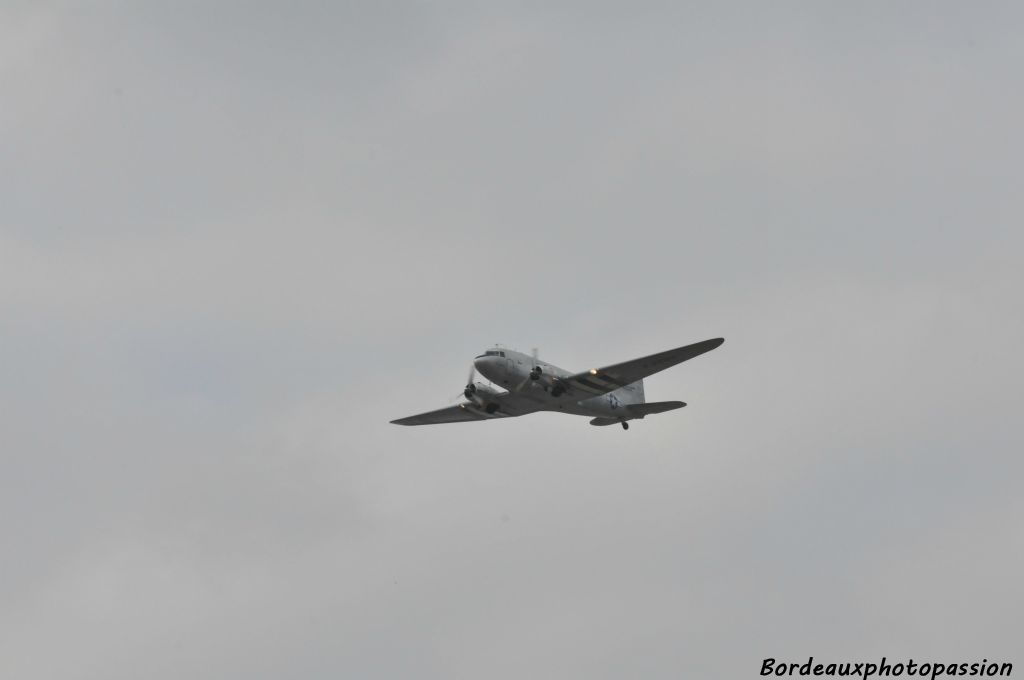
x=593 y=371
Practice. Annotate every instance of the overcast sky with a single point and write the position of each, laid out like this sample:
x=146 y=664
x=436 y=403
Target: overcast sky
x=237 y=239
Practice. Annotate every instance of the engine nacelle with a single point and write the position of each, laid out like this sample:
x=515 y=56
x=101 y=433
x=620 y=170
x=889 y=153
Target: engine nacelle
x=480 y=394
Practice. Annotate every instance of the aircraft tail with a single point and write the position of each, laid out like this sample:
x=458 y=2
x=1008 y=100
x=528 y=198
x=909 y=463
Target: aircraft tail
x=639 y=411
x=650 y=408
x=632 y=393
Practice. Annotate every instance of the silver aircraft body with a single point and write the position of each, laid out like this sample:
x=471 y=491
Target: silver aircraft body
x=609 y=396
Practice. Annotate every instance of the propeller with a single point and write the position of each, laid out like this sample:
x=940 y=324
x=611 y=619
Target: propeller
x=470 y=383
x=469 y=389
x=533 y=375
x=535 y=371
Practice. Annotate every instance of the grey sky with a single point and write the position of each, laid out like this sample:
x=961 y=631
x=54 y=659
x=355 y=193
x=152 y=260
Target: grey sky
x=236 y=241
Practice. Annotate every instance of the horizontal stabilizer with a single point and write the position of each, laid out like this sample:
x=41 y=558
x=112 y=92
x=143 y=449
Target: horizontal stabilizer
x=652 y=407
x=639 y=411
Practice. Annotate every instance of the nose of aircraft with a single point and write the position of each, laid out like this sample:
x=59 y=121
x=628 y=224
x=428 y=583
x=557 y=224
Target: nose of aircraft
x=489 y=366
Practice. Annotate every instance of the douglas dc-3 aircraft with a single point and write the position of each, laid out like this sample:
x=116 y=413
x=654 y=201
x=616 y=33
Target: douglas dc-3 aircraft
x=609 y=395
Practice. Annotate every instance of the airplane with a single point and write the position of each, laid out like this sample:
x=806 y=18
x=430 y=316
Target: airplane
x=610 y=395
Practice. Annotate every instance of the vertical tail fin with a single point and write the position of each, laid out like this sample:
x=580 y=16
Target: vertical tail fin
x=632 y=393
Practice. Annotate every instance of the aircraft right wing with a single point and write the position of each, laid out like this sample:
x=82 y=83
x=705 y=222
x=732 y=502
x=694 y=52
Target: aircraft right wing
x=603 y=380
x=460 y=413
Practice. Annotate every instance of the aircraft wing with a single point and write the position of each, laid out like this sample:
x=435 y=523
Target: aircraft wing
x=603 y=380
x=460 y=413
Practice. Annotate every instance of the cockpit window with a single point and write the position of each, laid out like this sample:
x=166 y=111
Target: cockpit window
x=492 y=353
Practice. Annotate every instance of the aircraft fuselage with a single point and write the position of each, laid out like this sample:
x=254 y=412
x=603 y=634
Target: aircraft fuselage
x=511 y=370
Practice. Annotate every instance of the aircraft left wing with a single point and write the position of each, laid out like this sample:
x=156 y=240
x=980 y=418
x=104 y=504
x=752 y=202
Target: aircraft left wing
x=603 y=380
x=460 y=413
